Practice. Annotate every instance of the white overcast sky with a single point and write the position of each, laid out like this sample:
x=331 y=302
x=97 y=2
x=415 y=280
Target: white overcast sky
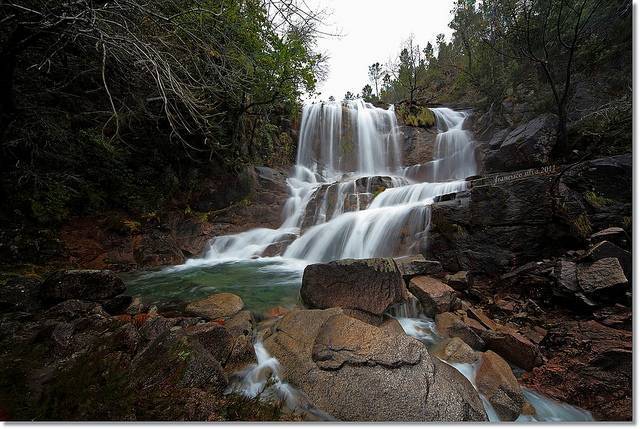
x=373 y=30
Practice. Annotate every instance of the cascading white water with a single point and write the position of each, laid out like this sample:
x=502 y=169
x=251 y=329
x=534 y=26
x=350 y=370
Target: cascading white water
x=349 y=196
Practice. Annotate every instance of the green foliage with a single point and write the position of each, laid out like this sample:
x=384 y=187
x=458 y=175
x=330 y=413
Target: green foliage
x=139 y=102
x=597 y=201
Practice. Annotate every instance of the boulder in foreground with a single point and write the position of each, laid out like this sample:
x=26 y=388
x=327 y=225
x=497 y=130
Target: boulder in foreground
x=369 y=285
x=358 y=372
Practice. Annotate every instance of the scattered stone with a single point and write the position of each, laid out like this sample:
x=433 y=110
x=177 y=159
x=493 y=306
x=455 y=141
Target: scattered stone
x=601 y=278
x=216 y=306
x=370 y=285
x=450 y=325
x=514 y=347
x=454 y=350
x=590 y=366
x=613 y=234
x=435 y=296
x=484 y=320
x=496 y=381
x=357 y=372
x=606 y=249
x=565 y=273
x=89 y=285
x=459 y=281
x=416 y=265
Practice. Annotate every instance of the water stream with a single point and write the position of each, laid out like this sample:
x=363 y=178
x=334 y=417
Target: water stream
x=350 y=196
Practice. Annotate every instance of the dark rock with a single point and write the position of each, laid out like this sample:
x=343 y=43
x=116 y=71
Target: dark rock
x=370 y=285
x=215 y=338
x=90 y=285
x=590 y=365
x=459 y=281
x=496 y=381
x=416 y=265
x=75 y=309
x=158 y=248
x=606 y=249
x=613 y=234
x=20 y=293
x=435 y=296
x=529 y=145
x=602 y=277
x=117 y=305
x=356 y=372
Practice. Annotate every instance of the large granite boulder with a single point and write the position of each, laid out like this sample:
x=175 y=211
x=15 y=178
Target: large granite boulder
x=358 y=372
x=88 y=285
x=527 y=146
x=369 y=285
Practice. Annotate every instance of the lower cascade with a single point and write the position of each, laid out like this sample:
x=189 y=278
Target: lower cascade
x=349 y=195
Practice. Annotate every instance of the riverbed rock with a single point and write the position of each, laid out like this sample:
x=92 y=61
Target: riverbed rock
x=590 y=365
x=458 y=281
x=529 y=145
x=602 y=277
x=20 y=293
x=454 y=350
x=496 y=381
x=216 y=306
x=606 y=249
x=514 y=347
x=613 y=234
x=416 y=265
x=324 y=352
x=89 y=285
x=370 y=285
x=451 y=325
x=435 y=296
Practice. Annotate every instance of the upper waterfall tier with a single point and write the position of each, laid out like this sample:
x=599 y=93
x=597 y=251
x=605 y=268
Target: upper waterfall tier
x=349 y=195
x=351 y=136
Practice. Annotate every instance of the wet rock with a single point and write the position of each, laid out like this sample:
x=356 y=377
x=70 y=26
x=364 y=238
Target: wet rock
x=590 y=365
x=458 y=281
x=241 y=327
x=454 y=350
x=435 y=296
x=529 y=145
x=216 y=339
x=416 y=265
x=216 y=306
x=369 y=285
x=450 y=325
x=514 y=347
x=324 y=352
x=601 y=278
x=613 y=234
x=496 y=381
x=90 y=285
x=278 y=248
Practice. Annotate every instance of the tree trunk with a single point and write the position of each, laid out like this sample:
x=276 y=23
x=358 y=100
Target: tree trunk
x=562 y=143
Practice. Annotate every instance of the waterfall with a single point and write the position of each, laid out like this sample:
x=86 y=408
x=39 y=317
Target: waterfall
x=349 y=194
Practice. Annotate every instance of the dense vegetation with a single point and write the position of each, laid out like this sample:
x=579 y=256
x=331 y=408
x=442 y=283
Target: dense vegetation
x=538 y=52
x=124 y=104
